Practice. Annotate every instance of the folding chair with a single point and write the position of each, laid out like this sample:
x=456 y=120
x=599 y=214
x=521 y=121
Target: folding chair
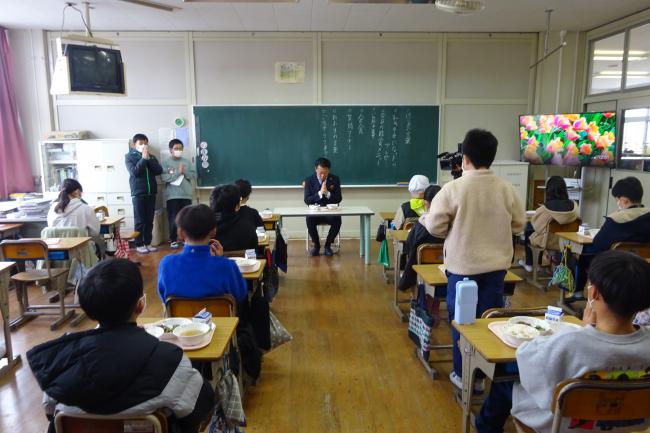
x=600 y=401
x=322 y=234
x=553 y=227
x=32 y=250
x=84 y=423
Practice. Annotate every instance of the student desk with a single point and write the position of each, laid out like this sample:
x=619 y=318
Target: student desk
x=576 y=242
x=434 y=276
x=31 y=227
x=398 y=237
x=264 y=242
x=216 y=349
x=482 y=350
x=63 y=249
x=386 y=218
x=6 y=352
x=271 y=222
x=9 y=231
x=108 y=224
x=362 y=212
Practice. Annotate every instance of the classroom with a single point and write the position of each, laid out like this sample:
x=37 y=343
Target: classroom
x=325 y=216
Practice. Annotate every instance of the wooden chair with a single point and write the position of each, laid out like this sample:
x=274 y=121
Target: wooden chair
x=553 y=227
x=639 y=248
x=32 y=250
x=493 y=313
x=409 y=223
x=430 y=254
x=84 y=423
x=598 y=400
x=218 y=306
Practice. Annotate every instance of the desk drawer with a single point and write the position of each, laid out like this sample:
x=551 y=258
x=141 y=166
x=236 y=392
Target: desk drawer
x=119 y=198
x=121 y=210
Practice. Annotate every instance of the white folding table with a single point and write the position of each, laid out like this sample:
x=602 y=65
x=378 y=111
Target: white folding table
x=363 y=212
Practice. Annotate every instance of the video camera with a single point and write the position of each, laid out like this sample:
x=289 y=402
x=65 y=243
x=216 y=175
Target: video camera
x=452 y=162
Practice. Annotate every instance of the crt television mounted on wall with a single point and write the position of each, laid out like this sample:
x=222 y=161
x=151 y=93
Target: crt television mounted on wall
x=95 y=69
x=587 y=139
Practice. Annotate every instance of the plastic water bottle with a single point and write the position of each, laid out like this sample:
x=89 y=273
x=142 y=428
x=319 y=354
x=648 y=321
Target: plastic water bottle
x=466 y=300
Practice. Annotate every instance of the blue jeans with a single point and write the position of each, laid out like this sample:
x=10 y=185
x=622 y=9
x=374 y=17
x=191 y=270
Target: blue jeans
x=490 y=295
x=496 y=408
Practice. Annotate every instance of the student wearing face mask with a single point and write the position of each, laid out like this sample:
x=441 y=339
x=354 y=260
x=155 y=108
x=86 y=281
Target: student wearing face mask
x=177 y=196
x=143 y=168
x=69 y=210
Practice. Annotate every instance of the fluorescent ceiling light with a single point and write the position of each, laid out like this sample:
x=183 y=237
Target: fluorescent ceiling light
x=619 y=58
x=620 y=52
x=619 y=73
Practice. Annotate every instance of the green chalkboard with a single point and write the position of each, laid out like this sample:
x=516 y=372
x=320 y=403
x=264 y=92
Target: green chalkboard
x=277 y=145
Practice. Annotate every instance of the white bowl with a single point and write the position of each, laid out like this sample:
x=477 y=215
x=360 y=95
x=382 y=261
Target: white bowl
x=154 y=330
x=192 y=334
x=314 y=207
x=518 y=334
x=244 y=264
x=168 y=325
x=332 y=206
x=542 y=326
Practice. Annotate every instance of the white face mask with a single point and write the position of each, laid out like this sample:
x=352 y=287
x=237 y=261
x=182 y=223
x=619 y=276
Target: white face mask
x=177 y=153
x=139 y=147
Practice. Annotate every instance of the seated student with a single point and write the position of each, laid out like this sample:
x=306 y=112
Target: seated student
x=413 y=208
x=248 y=212
x=417 y=236
x=69 y=210
x=234 y=230
x=609 y=342
x=118 y=368
x=199 y=271
x=556 y=207
x=630 y=223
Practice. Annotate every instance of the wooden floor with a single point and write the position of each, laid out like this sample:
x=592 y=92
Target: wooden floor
x=349 y=368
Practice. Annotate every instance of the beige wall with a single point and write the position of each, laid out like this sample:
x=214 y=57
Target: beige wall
x=167 y=73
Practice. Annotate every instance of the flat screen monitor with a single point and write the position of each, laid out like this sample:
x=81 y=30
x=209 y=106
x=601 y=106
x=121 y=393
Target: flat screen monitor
x=95 y=69
x=587 y=139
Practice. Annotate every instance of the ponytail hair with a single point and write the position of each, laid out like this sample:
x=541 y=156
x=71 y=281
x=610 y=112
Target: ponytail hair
x=68 y=187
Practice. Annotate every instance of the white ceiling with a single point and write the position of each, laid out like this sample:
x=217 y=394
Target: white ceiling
x=319 y=15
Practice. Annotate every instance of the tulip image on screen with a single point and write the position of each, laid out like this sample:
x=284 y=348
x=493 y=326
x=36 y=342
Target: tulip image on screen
x=587 y=139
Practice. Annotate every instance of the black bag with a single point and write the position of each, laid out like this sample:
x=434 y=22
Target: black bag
x=280 y=252
x=420 y=325
x=259 y=315
x=381 y=233
x=270 y=279
x=251 y=355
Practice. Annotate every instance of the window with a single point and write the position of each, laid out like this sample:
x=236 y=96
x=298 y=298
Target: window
x=635 y=150
x=607 y=64
x=638 y=58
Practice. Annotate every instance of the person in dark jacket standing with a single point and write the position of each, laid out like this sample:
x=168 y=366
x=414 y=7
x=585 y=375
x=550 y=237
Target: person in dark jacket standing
x=143 y=168
x=234 y=230
x=118 y=368
x=322 y=188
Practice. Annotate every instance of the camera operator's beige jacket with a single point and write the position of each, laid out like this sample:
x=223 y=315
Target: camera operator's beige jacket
x=477 y=215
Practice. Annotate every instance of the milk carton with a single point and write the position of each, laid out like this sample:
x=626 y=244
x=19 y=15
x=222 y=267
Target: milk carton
x=466 y=300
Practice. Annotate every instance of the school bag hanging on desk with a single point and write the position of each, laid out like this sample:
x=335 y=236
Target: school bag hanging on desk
x=562 y=276
x=383 y=258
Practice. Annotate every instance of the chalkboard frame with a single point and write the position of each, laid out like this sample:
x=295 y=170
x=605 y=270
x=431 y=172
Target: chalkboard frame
x=399 y=184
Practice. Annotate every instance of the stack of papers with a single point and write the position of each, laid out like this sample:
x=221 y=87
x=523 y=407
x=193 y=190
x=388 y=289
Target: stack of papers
x=35 y=208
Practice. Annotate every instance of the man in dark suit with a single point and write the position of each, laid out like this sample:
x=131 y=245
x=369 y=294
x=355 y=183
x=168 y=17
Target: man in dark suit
x=322 y=188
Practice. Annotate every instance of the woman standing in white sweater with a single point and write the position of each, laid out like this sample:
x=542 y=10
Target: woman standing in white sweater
x=69 y=210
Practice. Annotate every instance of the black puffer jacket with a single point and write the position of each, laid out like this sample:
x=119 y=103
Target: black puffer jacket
x=116 y=369
x=142 y=173
x=235 y=231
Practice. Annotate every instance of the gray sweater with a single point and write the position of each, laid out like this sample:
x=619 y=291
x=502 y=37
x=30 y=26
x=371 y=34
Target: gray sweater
x=170 y=174
x=547 y=361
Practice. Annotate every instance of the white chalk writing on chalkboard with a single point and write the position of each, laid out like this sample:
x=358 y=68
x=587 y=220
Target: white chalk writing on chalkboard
x=350 y=128
x=407 y=138
x=323 y=125
x=335 y=134
x=373 y=124
x=360 y=125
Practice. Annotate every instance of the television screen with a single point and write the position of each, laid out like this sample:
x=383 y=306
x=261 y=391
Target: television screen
x=95 y=69
x=568 y=139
